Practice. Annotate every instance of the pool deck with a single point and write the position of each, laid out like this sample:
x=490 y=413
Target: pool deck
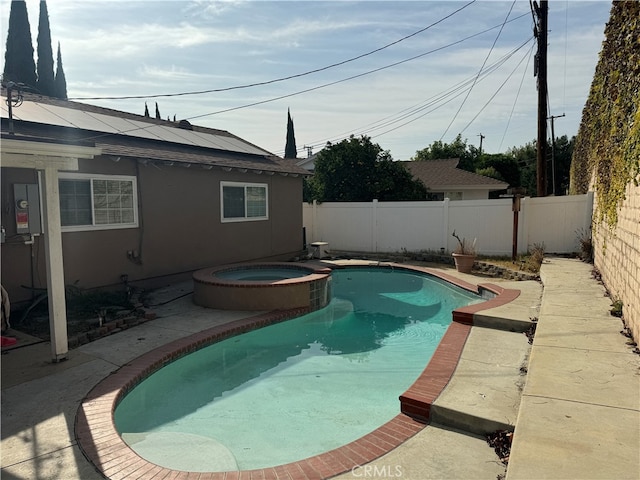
x=576 y=412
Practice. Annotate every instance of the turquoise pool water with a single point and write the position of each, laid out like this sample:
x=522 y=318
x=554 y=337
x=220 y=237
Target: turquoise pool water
x=298 y=388
x=262 y=274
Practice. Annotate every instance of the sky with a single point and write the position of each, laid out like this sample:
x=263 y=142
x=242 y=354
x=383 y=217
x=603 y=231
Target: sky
x=405 y=74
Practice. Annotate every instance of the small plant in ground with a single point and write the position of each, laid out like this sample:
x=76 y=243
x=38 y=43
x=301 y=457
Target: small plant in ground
x=464 y=246
x=534 y=259
x=616 y=308
x=586 y=245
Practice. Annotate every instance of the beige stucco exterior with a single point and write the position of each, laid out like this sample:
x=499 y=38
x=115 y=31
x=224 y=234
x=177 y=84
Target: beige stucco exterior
x=179 y=230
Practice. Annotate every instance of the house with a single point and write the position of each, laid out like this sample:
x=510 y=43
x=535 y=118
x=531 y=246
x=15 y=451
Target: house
x=94 y=197
x=308 y=163
x=445 y=180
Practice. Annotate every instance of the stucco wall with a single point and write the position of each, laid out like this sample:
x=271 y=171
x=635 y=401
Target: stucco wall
x=179 y=230
x=617 y=257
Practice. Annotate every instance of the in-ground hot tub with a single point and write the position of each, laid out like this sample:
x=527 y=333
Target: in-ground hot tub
x=262 y=286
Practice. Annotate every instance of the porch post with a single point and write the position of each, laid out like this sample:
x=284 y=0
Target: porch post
x=55 y=270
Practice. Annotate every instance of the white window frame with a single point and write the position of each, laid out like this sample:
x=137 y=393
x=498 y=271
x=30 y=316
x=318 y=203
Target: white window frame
x=223 y=219
x=94 y=226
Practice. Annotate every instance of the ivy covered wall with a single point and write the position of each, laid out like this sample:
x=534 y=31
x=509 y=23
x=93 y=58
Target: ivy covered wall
x=606 y=159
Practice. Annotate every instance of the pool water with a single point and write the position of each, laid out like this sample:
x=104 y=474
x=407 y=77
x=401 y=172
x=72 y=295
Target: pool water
x=297 y=388
x=261 y=274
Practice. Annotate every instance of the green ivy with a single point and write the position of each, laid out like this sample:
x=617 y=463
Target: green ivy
x=607 y=150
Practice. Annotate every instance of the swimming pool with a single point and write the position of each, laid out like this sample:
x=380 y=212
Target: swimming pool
x=297 y=388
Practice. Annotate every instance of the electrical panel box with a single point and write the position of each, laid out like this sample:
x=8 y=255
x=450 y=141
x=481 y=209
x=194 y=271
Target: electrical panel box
x=27 y=206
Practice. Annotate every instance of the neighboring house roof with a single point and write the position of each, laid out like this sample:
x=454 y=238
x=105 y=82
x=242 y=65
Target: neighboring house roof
x=308 y=163
x=128 y=135
x=442 y=175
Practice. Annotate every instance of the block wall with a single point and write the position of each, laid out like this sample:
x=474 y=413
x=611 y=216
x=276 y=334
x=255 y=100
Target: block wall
x=617 y=257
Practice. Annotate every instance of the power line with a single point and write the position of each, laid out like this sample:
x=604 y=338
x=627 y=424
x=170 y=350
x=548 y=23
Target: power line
x=483 y=64
x=395 y=64
x=435 y=101
x=281 y=79
x=93 y=137
x=493 y=96
x=506 y=128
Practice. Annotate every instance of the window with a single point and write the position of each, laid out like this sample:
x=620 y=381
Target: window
x=453 y=195
x=243 y=201
x=97 y=202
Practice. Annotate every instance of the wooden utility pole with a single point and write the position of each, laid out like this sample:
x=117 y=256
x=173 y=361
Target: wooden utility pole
x=540 y=31
x=481 y=138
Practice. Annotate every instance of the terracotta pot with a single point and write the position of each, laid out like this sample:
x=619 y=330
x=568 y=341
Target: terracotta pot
x=464 y=262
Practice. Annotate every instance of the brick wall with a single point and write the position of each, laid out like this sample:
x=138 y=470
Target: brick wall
x=617 y=257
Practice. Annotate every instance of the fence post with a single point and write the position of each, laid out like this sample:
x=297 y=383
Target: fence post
x=523 y=228
x=314 y=221
x=374 y=225
x=445 y=224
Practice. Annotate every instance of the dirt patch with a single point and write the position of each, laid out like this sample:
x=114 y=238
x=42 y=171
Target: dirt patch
x=86 y=312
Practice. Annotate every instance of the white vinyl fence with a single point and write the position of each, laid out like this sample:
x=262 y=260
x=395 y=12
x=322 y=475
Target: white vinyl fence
x=381 y=227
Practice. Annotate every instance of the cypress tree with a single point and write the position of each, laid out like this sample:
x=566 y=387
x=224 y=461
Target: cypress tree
x=19 y=66
x=158 y=112
x=146 y=110
x=290 y=150
x=45 y=84
x=60 y=80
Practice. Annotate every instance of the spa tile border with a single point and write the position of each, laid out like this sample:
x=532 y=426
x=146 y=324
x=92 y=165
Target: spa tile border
x=207 y=275
x=102 y=445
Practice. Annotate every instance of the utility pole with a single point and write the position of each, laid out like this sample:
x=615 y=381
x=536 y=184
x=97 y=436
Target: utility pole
x=481 y=138
x=540 y=31
x=553 y=153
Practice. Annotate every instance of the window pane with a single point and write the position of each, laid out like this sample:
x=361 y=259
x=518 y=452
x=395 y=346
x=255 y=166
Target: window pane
x=127 y=215
x=75 y=202
x=100 y=201
x=114 y=217
x=113 y=201
x=109 y=199
x=256 y=202
x=113 y=186
x=102 y=217
x=233 y=202
x=126 y=188
x=99 y=187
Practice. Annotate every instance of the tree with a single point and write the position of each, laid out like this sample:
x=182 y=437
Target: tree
x=357 y=170
x=562 y=152
x=19 y=66
x=158 y=112
x=503 y=164
x=45 y=82
x=290 y=150
x=60 y=80
x=525 y=156
x=468 y=154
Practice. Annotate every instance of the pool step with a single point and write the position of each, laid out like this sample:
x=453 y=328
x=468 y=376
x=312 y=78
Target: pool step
x=484 y=392
x=481 y=392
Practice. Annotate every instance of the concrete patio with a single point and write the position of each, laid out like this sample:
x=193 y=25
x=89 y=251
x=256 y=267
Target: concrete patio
x=576 y=412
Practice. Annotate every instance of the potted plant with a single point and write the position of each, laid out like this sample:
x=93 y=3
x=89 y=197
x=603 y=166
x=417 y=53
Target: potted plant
x=465 y=254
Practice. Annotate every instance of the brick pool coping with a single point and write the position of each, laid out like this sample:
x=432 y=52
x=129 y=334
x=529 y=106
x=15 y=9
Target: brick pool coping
x=100 y=442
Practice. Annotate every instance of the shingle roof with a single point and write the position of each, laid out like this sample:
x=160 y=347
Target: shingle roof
x=163 y=141
x=441 y=174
